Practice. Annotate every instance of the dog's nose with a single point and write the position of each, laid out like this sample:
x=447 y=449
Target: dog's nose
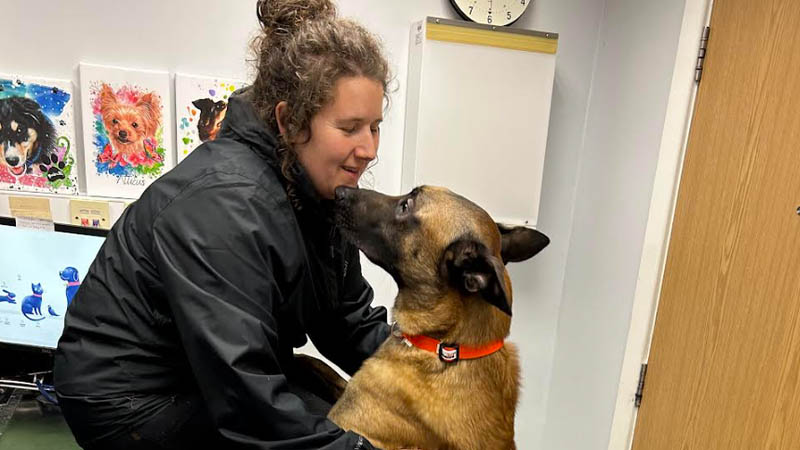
x=12 y=160
x=341 y=193
x=123 y=134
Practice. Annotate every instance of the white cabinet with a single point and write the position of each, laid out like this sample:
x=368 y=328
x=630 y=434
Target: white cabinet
x=477 y=113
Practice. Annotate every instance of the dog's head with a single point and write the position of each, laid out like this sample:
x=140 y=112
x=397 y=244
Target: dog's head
x=26 y=134
x=69 y=274
x=211 y=115
x=129 y=122
x=434 y=240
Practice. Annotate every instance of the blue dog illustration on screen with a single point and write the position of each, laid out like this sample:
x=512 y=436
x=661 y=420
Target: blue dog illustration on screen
x=32 y=304
x=70 y=275
x=10 y=297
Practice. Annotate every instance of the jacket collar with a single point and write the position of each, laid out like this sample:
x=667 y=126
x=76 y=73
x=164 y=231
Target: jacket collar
x=243 y=124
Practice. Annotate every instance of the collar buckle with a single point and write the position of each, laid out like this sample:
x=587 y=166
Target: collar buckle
x=449 y=353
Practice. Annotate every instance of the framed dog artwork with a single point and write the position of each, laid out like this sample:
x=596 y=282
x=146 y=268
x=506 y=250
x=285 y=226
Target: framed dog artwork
x=126 y=132
x=37 y=130
x=201 y=103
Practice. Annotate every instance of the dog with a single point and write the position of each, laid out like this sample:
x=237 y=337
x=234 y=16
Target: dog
x=211 y=115
x=70 y=275
x=131 y=127
x=445 y=378
x=9 y=297
x=32 y=304
x=27 y=136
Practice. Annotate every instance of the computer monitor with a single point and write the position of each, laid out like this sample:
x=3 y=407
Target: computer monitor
x=40 y=272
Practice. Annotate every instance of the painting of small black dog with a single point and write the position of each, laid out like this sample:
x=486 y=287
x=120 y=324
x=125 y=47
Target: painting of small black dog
x=210 y=120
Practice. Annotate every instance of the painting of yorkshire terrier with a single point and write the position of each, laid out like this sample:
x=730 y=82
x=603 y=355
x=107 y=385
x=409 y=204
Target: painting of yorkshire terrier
x=131 y=124
x=211 y=115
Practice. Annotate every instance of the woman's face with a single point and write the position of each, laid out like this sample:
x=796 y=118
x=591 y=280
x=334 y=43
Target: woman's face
x=344 y=135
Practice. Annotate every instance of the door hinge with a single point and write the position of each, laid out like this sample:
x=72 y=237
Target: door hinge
x=640 y=387
x=701 y=54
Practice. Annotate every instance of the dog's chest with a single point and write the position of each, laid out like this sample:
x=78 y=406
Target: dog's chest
x=468 y=404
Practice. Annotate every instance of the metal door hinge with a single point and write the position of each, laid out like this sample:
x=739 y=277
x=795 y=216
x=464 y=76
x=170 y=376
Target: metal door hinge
x=640 y=388
x=701 y=55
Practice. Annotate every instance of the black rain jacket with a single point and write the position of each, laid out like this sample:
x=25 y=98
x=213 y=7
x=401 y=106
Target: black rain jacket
x=209 y=281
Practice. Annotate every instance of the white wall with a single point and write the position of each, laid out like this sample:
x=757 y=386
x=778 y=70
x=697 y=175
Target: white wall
x=571 y=301
x=635 y=57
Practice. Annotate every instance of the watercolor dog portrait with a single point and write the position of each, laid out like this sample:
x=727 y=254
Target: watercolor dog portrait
x=127 y=139
x=201 y=103
x=37 y=131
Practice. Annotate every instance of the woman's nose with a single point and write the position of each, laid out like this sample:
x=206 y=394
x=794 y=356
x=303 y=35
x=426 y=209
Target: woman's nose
x=367 y=147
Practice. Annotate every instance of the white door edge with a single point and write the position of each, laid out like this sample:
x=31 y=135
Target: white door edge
x=680 y=107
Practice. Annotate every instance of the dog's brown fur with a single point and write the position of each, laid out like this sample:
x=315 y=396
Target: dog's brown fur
x=447 y=256
x=129 y=124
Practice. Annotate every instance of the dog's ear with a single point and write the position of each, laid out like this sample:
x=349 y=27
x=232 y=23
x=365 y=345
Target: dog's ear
x=107 y=96
x=469 y=266
x=150 y=106
x=45 y=131
x=521 y=243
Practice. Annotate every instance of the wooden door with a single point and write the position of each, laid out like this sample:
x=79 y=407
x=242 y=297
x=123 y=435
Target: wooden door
x=724 y=368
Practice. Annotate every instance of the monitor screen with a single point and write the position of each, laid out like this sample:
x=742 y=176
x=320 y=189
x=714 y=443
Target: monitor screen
x=40 y=272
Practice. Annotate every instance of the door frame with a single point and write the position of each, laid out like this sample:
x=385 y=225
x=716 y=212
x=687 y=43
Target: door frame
x=680 y=109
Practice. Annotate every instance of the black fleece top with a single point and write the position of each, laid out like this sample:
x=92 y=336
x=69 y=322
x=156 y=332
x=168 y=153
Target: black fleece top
x=207 y=283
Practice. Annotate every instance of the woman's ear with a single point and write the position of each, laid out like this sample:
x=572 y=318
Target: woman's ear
x=281 y=111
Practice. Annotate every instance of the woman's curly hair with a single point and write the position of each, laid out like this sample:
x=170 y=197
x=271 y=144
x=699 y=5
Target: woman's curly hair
x=302 y=51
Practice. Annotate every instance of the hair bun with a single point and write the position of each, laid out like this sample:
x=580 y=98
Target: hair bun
x=282 y=18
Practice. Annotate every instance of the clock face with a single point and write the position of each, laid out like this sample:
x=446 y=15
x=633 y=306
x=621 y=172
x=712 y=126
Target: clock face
x=491 y=12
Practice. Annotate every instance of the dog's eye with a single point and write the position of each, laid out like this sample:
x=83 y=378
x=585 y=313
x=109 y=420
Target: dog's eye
x=114 y=121
x=405 y=206
x=135 y=125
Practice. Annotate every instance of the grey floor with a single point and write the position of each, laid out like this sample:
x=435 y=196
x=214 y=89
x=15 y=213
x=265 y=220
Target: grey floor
x=25 y=425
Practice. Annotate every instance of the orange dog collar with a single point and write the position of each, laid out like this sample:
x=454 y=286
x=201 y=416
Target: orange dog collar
x=448 y=352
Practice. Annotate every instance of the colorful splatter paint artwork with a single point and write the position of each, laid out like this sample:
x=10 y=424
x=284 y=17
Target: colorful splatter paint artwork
x=201 y=103
x=37 y=135
x=127 y=140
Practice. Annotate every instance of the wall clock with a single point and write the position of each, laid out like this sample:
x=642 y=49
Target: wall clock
x=491 y=12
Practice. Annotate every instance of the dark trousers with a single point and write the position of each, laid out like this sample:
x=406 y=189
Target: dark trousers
x=168 y=422
x=145 y=422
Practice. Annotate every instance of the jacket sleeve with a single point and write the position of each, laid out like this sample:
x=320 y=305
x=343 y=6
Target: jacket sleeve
x=216 y=250
x=353 y=329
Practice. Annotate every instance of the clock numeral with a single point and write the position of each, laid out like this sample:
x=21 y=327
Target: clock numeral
x=470 y=8
x=508 y=15
x=489 y=19
x=523 y=2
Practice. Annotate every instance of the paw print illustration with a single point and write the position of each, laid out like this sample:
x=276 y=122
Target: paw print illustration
x=53 y=168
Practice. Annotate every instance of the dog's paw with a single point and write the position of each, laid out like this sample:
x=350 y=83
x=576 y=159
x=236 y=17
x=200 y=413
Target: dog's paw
x=53 y=168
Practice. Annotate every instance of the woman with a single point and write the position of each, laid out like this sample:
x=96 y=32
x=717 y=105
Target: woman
x=182 y=333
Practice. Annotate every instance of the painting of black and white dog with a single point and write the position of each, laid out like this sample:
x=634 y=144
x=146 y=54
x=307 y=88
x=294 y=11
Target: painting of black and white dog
x=27 y=136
